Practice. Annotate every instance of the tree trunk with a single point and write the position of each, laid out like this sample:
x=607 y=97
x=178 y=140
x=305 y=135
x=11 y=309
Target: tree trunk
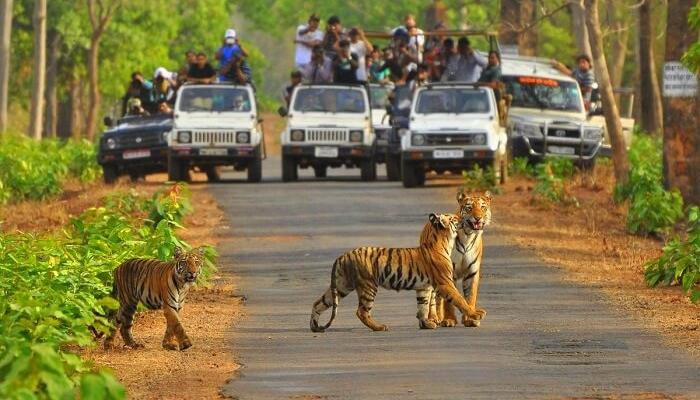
x=618 y=50
x=51 y=123
x=76 y=108
x=578 y=27
x=5 y=33
x=612 y=115
x=650 y=94
x=36 y=118
x=527 y=38
x=681 y=120
x=510 y=22
x=435 y=13
x=94 y=88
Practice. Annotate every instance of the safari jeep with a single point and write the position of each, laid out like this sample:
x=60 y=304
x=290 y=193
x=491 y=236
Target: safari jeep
x=547 y=114
x=379 y=99
x=452 y=128
x=328 y=125
x=215 y=125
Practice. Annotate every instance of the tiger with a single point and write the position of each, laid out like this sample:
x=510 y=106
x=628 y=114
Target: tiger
x=475 y=212
x=423 y=269
x=156 y=284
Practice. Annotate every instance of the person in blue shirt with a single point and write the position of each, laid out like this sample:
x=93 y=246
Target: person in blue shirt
x=230 y=49
x=583 y=74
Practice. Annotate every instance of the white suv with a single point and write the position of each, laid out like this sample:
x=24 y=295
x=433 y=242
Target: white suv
x=328 y=125
x=215 y=125
x=453 y=126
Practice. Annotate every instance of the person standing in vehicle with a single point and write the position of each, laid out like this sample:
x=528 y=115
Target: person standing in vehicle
x=295 y=78
x=141 y=89
x=491 y=75
x=466 y=66
x=332 y=37
x=361 y=47
x=416 y=36
x=345 y=64
x=306 y=38
x=320 y=69
x=226 y=53
x=583 y=74
x=201 y=71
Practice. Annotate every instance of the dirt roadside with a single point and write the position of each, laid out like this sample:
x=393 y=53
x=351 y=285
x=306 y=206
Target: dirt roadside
x=590 y=243
x=208 y=315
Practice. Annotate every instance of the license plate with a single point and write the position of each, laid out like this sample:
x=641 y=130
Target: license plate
x=326 y=152
x=131 y=154
x=382 y=142
x=213 y=152
x=561 y=150
x=448 y=153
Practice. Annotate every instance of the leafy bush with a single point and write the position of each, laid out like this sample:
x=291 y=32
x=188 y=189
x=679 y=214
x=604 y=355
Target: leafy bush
x=37 y=170
x=481 y=179
x=521 y=166
x=680 y=261
x=56 y=287
x=550 y=176
x=652 y=209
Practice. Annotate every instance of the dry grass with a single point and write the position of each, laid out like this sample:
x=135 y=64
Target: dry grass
x=591 y=244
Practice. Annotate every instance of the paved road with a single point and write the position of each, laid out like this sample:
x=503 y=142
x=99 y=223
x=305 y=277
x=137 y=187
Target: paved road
x=542 y=338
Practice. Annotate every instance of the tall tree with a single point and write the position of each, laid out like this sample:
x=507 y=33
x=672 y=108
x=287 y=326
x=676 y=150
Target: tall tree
x=516 y=27
x=612 y=115
x=100 y=15
x=36 y=117
x=619 y=34
x=650 y=94
x=51 y=116
x=578 y=26
x=681 y=120
x=5 y=33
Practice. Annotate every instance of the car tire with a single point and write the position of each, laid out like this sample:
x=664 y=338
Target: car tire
x=212 y=174
x=410 y=174
x=289 y=169
x=393 y=167
x=368 y=170
x=255 y=167
x=320 y=171
x=110 y=174
x=177 y=170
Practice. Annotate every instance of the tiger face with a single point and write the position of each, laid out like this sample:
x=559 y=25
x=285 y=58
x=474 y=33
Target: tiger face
x=188 y=264
x=445 y=221
x=475 y=210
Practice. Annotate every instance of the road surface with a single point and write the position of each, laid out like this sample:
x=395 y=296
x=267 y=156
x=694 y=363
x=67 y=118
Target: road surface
x=542 y=338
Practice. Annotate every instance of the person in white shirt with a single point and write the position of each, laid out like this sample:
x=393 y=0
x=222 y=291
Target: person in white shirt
x=361 y=47
x=416 y=35
x=307 y=37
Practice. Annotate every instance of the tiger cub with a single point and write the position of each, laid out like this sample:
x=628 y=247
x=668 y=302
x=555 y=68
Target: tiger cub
x=421 y=269
x=475 y=212
x=156 y=284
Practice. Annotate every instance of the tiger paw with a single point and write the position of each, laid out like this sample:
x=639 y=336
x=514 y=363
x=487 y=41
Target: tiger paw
x=471 y=323
x=448 y=323
x=427 y=324
x=134 y=345
x=381 y=328
x=186 y=344
x=170 y=346
x=109 y=345
x=480 y=312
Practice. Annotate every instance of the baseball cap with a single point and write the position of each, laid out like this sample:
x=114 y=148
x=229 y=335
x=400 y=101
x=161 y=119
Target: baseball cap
x=230 y=33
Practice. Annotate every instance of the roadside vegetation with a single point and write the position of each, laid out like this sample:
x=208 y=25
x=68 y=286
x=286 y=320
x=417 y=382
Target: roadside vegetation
x=57 y=287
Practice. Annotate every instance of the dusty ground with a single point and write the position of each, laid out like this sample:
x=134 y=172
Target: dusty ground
x=273 y=125
x=591 y=244
x=154 y=373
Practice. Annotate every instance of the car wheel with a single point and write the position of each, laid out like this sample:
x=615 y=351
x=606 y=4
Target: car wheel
x=255 y=168
x=393 y=167
x=289 y=169
x=109 y=173
x=409 y=174
x=212 y=174
x=368 y=170
x=178 y=170
x=320 y=171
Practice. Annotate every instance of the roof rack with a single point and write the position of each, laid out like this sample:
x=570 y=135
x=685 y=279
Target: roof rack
x=451 y=32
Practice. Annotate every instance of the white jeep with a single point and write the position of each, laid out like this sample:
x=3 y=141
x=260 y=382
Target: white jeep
x=453 y=126
x=328 y=125
x=215 y=125
x=547 y=115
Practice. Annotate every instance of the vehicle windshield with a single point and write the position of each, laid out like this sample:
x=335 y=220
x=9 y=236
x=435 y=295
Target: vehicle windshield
x=214 y=99
x=453 y=101
x=542 y=93
x=379 y=97
x=329 y=100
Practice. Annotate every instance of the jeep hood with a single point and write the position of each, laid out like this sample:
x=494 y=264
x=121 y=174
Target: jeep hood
x=327 y=120
x=542 y=116
x=451 y=123
x=215 y=121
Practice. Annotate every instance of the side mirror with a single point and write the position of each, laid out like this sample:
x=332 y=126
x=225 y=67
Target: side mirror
x=108 y=121
x=282 y=111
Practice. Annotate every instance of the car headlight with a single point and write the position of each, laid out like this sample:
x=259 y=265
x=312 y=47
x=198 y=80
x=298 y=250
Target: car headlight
x=184 y=136
x=297 y=135
x=402 y=132
x=356 y=136
x=111 y=143
x=526 y=130
x=243 y=137
x=479 y=138
x=418 y=140
x=593 y=134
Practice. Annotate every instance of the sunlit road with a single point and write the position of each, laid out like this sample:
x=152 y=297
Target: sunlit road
x=542 y=338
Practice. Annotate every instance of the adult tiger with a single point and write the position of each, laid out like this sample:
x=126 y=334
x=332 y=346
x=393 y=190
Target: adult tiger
x=156 y=284
x=475 y=212
x=422 y=269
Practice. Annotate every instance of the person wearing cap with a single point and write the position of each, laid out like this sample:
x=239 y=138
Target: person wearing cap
x=306 y=38
x=416 y=36
x=345 y=64
x=361 y=47
x=229 y=49
x=466 y=65
x=164 y=84
x=320 y=69
x=583 y=73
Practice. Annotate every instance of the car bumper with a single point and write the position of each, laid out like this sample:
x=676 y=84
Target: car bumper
x=134 y=157
x=450 y=157
x=343 y=152
x=539 y=148
x=214 y=155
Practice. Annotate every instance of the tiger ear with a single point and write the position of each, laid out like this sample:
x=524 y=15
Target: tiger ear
x=461 y=196
x=488 y=196
x=434 y=219
x=200 y=251
x=177 y=252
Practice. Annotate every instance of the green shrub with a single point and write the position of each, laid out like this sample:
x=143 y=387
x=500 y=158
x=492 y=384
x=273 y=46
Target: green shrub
x=550 y=178
x=521 y=166
x=652 y=209
x=480 y=179
x=680 y=261
x=55 y=287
